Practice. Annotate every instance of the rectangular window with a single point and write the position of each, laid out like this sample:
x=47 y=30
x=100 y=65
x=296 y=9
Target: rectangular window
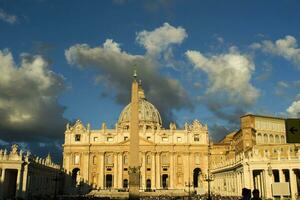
x=179 y=139
x=196 y=138
x=95 y=139
x=77 y=137
x=110 y=139
x=148 y=138
x=125 y=138
x=165 y=139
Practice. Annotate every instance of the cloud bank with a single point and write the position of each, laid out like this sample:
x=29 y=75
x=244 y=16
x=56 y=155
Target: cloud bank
x=29 y=110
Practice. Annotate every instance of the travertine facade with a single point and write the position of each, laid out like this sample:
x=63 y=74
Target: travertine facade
x=25 y=176
x=172 y=159
x=257 y=156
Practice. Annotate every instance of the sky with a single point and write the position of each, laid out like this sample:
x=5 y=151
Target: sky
x=208 y=60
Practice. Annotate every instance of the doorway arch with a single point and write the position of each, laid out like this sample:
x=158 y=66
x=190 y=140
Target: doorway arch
x=76 y=176
x=125 y=183
x=108 y=180
x=196 y=177
x=148 y=184
x=165 y=181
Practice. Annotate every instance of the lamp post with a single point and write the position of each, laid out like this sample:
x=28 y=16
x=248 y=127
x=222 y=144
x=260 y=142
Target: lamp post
x=208 y=177
x=189 y=184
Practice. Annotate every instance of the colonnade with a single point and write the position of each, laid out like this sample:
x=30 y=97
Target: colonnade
x=230 y=183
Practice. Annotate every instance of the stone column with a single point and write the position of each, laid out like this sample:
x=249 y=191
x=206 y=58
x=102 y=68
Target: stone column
x=263 y=183
x=281 y=176
x=143 y=171
x=293 y=183
x=239 y=184
x=2 y=182
x=120 y=170
x=115 y=185
x=251 y=179
x=171 y=170
x=101 y=170
x=153 y=180
x=24 y=182
x=18 y=185
x=158 y=176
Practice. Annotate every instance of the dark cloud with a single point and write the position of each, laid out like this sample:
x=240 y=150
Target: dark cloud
x=219 y=131
x=29 y=110
x=224 y=110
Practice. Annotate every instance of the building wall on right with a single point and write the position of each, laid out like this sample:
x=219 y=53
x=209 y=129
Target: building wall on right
x=256 y=156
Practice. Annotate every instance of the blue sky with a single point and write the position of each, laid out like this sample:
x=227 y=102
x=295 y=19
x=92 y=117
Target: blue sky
x=210 y=60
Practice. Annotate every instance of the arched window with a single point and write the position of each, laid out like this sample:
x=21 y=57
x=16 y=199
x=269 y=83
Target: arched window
x=282 y=139
x=271 y=138
x=259 y=138
x=277 y=140
x=265 y=138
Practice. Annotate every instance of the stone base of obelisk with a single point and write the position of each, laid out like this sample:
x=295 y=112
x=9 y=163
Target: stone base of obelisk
x=134 y=185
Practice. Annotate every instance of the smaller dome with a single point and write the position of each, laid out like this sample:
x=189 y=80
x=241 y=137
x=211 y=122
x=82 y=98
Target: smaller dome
x=148 y=114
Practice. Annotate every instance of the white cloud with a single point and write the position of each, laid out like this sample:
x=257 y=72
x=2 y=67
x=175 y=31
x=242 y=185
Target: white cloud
x=229 y=92
x=28 y=98
x=160 y=39
x=11 y=19
x=286 y=47
x=294 y=109
x=230 y=73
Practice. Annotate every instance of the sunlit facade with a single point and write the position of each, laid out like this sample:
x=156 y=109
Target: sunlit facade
x=171 y=159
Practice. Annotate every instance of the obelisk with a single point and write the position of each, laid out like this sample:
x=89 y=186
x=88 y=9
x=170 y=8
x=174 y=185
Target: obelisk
x=134 y=164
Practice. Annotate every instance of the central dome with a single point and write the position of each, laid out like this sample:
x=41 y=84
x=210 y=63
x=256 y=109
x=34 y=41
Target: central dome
x=148 y=114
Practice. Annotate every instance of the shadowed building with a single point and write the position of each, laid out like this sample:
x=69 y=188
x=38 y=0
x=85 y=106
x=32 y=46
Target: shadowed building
x=26 y=176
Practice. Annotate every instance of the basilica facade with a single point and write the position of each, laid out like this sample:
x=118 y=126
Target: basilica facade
x=177 y=161
x=170 y=159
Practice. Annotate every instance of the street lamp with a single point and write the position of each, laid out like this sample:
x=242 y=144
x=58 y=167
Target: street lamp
x=208 y=177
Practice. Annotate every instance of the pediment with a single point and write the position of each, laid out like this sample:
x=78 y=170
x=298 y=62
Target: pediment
x=142 y=142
